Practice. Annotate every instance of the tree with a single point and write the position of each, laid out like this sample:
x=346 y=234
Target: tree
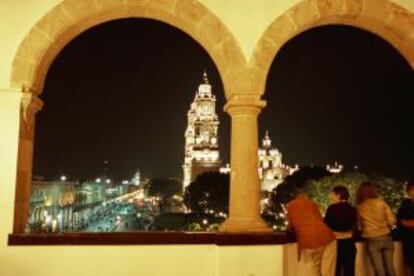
x=209 y=192
x=164 y=188
x=390 y=189
x=318 y=183
x=275 y=212
x=319 y=190
x=285 y=192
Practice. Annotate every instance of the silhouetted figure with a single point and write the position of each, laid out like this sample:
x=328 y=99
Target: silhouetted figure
x=406 y=224
x=341 y=217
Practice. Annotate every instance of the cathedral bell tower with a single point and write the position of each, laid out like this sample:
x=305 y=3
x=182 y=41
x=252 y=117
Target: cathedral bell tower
x=201 y=136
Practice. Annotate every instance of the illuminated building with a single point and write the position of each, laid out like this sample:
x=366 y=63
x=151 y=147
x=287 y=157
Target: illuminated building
x=336 y=168
x=136 y=180
x=271 y=169
x=201 y=135
x=225 y=170
x=52 y=205
x=58 y=206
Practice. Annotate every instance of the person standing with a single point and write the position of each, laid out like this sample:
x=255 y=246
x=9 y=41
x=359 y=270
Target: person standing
x=375 y=220
x=341 y=217
x=316 y=242
x=406 y=224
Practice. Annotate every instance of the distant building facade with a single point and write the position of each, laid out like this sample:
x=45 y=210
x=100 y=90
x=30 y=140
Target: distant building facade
x=136 y=179
x=335 y=169
x=57 y=206
x=52 y=205
x=201 y=136
x=271 y=169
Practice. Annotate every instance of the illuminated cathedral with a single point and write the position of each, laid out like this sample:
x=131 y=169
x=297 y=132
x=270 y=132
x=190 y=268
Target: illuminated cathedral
x=201 y=136
x=202 y=154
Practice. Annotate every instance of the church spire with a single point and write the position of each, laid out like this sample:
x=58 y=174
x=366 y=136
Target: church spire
x=205 y=77
x=267 y=142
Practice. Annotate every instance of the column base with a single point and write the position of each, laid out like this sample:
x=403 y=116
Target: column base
x=256 y=225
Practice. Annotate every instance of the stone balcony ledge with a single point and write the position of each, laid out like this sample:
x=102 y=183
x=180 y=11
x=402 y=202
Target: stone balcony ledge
x=150 y=238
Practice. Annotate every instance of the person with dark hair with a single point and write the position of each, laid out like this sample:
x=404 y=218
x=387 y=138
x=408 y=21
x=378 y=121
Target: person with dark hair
x=406 y=224
x=316 y=242
x=375 y=220
x=341 y=217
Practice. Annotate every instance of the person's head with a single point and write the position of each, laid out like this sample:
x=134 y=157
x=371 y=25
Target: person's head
x=410 y=190
x=300 y=191
x=366 y=190
x=338 y=194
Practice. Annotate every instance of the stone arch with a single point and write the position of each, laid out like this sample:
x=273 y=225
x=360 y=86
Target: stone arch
x=388 y=20
x=71 y=17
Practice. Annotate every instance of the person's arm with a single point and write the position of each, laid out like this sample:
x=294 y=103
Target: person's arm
x=358 y=221
x=407 y=223
x=391 y=219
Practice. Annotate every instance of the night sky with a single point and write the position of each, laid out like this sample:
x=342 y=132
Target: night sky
x=120 y=92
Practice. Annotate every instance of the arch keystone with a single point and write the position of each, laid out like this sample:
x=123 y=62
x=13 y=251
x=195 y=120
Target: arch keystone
x=331 y=7
x=165 y=5
x=354 y=8
x=136 y=2
x=191 y=11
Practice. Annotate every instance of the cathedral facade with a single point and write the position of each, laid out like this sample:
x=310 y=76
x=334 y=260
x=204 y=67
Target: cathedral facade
x=201 y=136
x=272 y=171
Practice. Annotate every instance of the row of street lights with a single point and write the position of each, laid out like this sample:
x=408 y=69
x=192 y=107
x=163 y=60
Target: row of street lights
x=97 y=180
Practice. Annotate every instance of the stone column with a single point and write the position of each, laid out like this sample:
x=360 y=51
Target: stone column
x=30 y=105
x=244 y=177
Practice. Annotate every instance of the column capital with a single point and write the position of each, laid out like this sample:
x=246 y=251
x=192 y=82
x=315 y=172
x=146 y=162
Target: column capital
x=30 y=105
x=244 y=104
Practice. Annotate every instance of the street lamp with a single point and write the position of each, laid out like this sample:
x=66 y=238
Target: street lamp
x=63 y=178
